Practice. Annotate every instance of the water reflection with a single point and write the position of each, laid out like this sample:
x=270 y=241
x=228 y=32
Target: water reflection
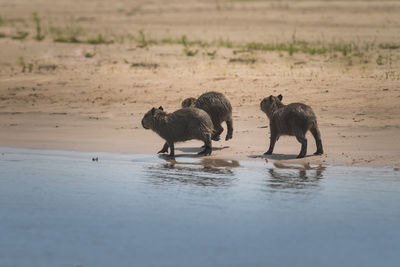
x=293 y=178
x=206 y=172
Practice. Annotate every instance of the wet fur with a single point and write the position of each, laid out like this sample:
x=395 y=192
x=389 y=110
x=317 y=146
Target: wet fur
x=181 y=125
x=218 y=107
x=294 y=119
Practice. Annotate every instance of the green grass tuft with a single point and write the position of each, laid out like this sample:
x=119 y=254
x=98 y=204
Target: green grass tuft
x=89 y=55
x=39 y=36
x=142 y=39
x=212 y=54
x=68 y=34
x=291 y=48
x=225 y=43
x=189 y=52
x=379 y=60
x=98 y=40
x=71 y=39
x=24 y=66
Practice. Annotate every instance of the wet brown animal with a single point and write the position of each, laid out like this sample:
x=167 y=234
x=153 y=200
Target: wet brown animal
x=181 y=125
x=218 y=107
x=294 y=119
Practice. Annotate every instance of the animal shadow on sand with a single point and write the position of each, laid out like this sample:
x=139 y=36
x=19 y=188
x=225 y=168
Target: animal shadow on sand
x=277 y=156
x=198 y=149
x=189 y=152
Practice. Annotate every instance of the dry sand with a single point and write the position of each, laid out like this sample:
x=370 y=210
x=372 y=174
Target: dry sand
x=79 y=96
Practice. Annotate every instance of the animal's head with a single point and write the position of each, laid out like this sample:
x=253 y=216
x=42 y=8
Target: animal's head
x=150 y=117
x=188 y=102
x=269 y=104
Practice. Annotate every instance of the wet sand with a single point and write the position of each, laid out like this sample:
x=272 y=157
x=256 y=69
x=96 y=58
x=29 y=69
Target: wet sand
x=60 y=208
x=85 y=97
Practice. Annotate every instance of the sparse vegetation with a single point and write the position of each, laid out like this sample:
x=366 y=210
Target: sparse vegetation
x=142 y=39
x=183 y=40
x=22 y=64
x=68 y=34
x=141 y=64
x=71 y=39
x=71 y=34
x=212 y=54
x=144 y=65
x=39 y=35
x=89 y=54
x=99 y=39
x=20 y=35
x=25 y=67
x=225 y=43
x=353 y=51
x=250 y=60
x=189 y=52
x=379 y=60
x=47 y=67
x=392 y=75
x=389 y=46
x=74 y=34
x=292 y=47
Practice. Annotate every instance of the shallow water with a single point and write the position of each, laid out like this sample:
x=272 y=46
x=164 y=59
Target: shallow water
x=61 y=208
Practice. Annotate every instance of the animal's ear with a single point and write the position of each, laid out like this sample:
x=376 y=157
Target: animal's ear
x=161 y=108
x=152 y=111
x=280 y=97
x=270 y=98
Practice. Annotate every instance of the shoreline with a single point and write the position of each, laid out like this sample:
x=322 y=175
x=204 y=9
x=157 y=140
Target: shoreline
x=131 y=144
x=185 y=159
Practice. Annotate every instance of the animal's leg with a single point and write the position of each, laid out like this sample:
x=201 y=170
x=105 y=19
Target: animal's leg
x=229 y=125
x=303 y=140
x=217 y=131
x=164 y=149
x=207 y=146
x=172 y=149
x=273 y=139
x=317 y=135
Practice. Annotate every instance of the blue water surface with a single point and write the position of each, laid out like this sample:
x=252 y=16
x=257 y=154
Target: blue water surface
x=60 y=208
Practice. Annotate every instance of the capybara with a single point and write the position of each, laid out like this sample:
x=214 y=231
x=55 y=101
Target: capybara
x=294 y=119
x=181 y=125
x=218 y=107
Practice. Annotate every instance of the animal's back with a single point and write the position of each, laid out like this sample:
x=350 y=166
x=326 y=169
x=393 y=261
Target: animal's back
x=186 y=124
x=216 y=105
x=294 y=117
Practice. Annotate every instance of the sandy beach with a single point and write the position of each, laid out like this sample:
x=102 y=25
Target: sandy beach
x=80 y=75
